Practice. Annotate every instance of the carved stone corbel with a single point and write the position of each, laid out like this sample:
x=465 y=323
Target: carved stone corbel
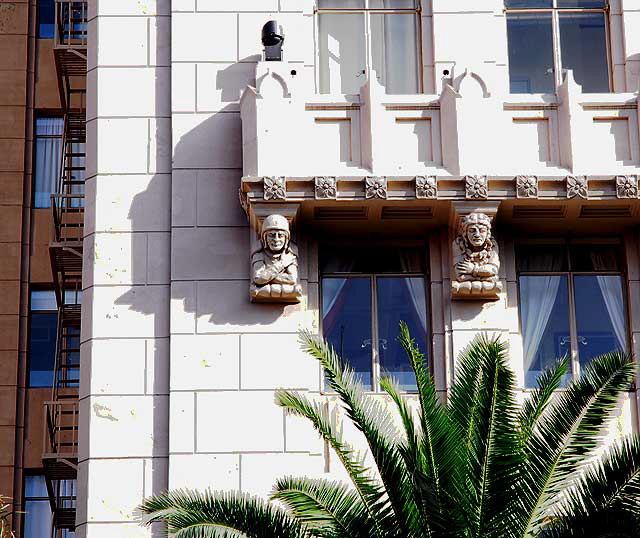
x=274 y=256
x=474 y=252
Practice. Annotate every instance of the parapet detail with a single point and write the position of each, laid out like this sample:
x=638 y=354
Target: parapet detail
x=475 y=260
x=274 y=267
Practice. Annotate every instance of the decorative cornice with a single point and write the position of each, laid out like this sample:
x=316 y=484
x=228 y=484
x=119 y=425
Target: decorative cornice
x=426 y=187
x=627 y=186
x=526 y=187
x=275 y=188
x=325 y=188
x=577 y=187
x=476 y=187
x=375 y=187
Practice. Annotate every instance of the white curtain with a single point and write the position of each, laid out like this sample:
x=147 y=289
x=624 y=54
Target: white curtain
x=47 y=162
x=537 y=297
x=415 y=285
x=611 y=289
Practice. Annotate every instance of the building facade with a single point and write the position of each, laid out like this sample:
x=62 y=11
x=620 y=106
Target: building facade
x=465 y=167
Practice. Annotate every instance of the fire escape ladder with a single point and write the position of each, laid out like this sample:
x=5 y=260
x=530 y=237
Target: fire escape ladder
x=60 y=457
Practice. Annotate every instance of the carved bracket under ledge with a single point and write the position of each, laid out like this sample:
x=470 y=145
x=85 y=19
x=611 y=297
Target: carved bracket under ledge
x=474 y=252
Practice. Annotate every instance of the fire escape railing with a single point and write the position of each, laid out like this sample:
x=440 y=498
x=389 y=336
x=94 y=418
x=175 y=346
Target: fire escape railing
x=60 y=456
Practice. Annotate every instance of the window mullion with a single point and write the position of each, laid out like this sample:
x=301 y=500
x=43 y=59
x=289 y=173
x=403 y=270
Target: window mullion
x=557 y=53
x=367 y=43
x=375 y=350
x=573 y=328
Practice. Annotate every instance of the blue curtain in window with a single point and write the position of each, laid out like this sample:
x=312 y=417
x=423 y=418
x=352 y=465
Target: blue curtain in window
x=47 y=162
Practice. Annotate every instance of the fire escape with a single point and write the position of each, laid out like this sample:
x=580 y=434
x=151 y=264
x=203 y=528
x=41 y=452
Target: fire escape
x=60 y=457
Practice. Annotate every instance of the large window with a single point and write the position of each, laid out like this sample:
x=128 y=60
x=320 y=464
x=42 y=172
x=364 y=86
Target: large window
x=47 y=159
x=548 y=36
x=356 y=37
x=37 y=509
x=571 y=304
x=365 y=295
x=46 y=18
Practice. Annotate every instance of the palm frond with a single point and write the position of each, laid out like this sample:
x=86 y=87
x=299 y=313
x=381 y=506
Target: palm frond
x=490 y=439
x=568 y=431
x=548 y=382
x=378 y=427
x=329 y=509
x=373 y=496
x=190 y=514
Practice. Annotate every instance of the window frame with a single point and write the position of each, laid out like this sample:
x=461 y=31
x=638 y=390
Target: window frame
x=375 y=340
x=554 y=11
x=31 y=311
x=570 y=275
x=47 y=114
x=367 y=12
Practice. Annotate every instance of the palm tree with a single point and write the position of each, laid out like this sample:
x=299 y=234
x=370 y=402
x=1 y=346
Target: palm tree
x=477 y=466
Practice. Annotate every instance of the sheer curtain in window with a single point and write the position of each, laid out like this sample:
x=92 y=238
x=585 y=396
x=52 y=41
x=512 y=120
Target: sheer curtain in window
x=47 y=159
x=611 y=289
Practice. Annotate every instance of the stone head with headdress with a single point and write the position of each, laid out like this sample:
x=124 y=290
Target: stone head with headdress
x=475 y=232
x=275 y=234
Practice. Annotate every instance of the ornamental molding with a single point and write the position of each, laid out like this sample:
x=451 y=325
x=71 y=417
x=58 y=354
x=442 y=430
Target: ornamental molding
x=472 y=188
x=476 y=187
x=325 y=188
x=526 y=187
x=627 y=186
x=577 y=187
x=275 y=188
x=376 y=187
x=426 y=187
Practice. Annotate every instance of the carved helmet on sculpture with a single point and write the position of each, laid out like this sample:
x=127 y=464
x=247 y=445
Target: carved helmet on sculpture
x=275 y=222
x=474 y=218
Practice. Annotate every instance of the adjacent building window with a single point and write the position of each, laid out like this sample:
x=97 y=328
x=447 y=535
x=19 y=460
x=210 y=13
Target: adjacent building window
x=43 y=324
x=356 y=37
x=46 y=18
x=572 y=304
x=47 y=159
x=548 y=36
x=38 y=518
x=365 y=295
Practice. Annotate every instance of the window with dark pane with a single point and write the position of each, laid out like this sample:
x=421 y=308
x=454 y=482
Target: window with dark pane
x=572 y=304
x=366 y=293
x=579 y=29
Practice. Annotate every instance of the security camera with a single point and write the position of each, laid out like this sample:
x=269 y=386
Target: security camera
x=272 y=39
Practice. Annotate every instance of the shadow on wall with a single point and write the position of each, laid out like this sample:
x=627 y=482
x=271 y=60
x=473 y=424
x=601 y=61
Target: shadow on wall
x=208 y=255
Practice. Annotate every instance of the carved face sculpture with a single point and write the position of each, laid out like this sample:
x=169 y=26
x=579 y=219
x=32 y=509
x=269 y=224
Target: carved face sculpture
x=275 y=233
x=477 y=234
x=276 y=240
x=476 y=229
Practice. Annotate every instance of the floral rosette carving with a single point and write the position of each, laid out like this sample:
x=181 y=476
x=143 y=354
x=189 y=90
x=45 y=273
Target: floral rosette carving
x=627 y=186
x=376 y=187
x=426 y=187
x=526 y=187
x=325 y=188
x=577 y=187
x=275 y=188
x=476 y=187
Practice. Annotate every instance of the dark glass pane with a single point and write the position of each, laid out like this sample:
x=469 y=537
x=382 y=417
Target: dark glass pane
x=600 y=316
x=400 y=299
x=544 y=314
x=527 y=4
x=394 y=49
x=371 y=260
x=596 y=258
x=341 y=52
x=584 y=50
x=541 y=258
x=46 y=16
x=346 y=321
x=582 y=3
x=530 y=53
x=42 y=348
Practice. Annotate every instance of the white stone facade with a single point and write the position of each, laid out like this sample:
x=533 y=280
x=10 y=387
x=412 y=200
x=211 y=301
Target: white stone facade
x=178 y=366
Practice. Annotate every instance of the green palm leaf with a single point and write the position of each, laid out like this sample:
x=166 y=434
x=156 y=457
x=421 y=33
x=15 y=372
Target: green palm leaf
x=329 y=508
x=189 y=514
